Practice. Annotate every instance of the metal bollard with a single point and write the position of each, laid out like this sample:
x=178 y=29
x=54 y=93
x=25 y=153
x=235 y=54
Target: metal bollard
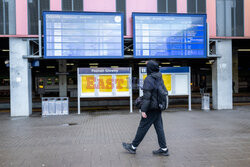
x=205 y=101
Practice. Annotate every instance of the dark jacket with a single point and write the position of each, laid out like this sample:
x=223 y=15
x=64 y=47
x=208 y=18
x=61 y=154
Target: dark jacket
x=203 y=84
x=150 y=103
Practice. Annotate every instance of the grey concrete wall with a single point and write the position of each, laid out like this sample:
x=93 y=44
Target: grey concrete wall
x=222 y=76
x=20 y=79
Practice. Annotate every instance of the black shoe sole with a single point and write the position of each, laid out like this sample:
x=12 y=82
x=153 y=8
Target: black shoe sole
x=163 y=154
x=130 y=151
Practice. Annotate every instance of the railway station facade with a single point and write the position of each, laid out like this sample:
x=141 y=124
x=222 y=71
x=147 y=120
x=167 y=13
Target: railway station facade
x=226 y=67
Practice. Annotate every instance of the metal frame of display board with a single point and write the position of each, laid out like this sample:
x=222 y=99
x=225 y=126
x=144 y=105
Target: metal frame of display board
x=113 y=93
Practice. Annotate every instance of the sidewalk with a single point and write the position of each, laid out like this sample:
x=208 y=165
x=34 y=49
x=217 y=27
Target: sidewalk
x=195 y=139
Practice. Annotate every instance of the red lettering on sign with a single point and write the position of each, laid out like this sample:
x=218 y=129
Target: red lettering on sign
x=90 y=82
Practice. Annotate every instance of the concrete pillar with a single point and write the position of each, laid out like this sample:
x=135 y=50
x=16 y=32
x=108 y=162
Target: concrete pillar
x=236 y=71
x=222 y=76
x=20 y=79
x=62 y=78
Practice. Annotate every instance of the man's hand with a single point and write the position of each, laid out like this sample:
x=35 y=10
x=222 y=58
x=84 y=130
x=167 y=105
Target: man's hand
x=144 y=115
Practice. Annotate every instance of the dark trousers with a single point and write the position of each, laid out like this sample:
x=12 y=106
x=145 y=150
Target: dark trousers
x=145 y=123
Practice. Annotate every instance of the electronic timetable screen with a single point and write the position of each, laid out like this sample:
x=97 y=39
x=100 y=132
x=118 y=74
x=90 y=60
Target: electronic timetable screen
x=166 y=35
x=79 y=35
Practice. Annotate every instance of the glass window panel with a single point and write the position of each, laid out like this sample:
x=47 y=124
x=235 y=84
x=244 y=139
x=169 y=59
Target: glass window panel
x=72 y=5
x=121 y=7
x=1 y=17
x=161 y=6
x=230 y=15
x=44 y=6
x=191 y=6
x=11 y=16
x=67 y=5
x=220 y=17
x=166 y=6
x=78 y=5
x=172 y=6
x=33 y=16
x=240 y=18
x=7 y=17
x=33 y=13
x=201 y=6
x=196 y=6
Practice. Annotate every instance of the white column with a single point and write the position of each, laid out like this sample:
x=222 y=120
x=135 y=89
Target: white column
x=222 y=76
x=20 y=79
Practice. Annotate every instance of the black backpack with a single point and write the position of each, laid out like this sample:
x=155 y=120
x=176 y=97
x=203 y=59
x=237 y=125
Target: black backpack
x=138 y=102
x=162 y=94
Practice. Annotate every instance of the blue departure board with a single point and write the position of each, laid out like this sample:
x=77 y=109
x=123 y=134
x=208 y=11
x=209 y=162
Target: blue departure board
x=166 y=35
x=80 y=35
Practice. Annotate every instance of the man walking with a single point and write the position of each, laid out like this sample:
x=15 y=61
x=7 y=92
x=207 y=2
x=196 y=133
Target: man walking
x=203 y=85
x=150 y=112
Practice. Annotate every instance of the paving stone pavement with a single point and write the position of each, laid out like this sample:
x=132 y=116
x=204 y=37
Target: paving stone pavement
x=195 y=139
